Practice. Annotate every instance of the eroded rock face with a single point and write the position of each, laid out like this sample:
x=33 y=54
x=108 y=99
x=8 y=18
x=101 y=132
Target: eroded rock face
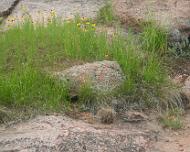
x=102 y=76
x=57 y=133
x=172 y=13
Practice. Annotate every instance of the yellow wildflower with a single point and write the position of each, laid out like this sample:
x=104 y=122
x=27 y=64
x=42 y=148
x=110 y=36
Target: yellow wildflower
x=93 y=25
x=53 y=13
x=78 y=24
x=106 y=56
x=85 y=30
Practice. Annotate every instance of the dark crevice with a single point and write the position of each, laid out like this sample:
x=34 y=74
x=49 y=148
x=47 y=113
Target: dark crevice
x=9 y=11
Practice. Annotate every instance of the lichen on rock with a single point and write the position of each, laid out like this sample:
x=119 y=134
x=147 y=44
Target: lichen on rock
x=103 y=76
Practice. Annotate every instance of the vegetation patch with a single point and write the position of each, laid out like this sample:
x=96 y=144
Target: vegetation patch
x=29 y=51
x=106 y=15
x=172 y=119
x=29 y=87
x=154 y=38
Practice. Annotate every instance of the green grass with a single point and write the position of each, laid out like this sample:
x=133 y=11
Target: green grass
x=28 y=51
x=154 y=38
x=87 y=97
x=29 y=87
x=172 y=119
x=106 y=14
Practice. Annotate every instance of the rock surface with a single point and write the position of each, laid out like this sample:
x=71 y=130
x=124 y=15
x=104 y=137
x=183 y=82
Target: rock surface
x=5 y=5
x=172 y=13
x=64 y=8
x=103 y=76
x=186 y=88
x=59 y=133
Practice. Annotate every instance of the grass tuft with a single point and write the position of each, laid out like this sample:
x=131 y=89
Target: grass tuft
x=30 y=87
x=154 y=38
x=172 y=119
x=106 y=14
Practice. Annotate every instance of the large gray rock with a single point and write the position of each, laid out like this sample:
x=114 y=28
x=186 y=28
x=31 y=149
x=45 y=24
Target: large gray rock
x=170 y=13
x=5 y=5
x=102 y=76
x=62 y=134
x=64 y=8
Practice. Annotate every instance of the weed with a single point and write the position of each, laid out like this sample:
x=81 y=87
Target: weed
x=172 y=119
x=87 y=95
x=106 y=14
x=3 y=114
x=154 y=38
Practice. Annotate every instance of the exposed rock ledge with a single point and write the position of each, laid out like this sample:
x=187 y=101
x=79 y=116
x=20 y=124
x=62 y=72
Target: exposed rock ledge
x=59 y=133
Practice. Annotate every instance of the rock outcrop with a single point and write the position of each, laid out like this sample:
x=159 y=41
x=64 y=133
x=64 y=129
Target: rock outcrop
x=64 y=8
x=171 y=13
x=6 y=8
x=101 y=76
x=62 y=134
x=6 y=5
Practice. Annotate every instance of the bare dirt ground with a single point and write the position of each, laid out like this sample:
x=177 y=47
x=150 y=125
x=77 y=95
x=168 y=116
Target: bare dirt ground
x=179 y=141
